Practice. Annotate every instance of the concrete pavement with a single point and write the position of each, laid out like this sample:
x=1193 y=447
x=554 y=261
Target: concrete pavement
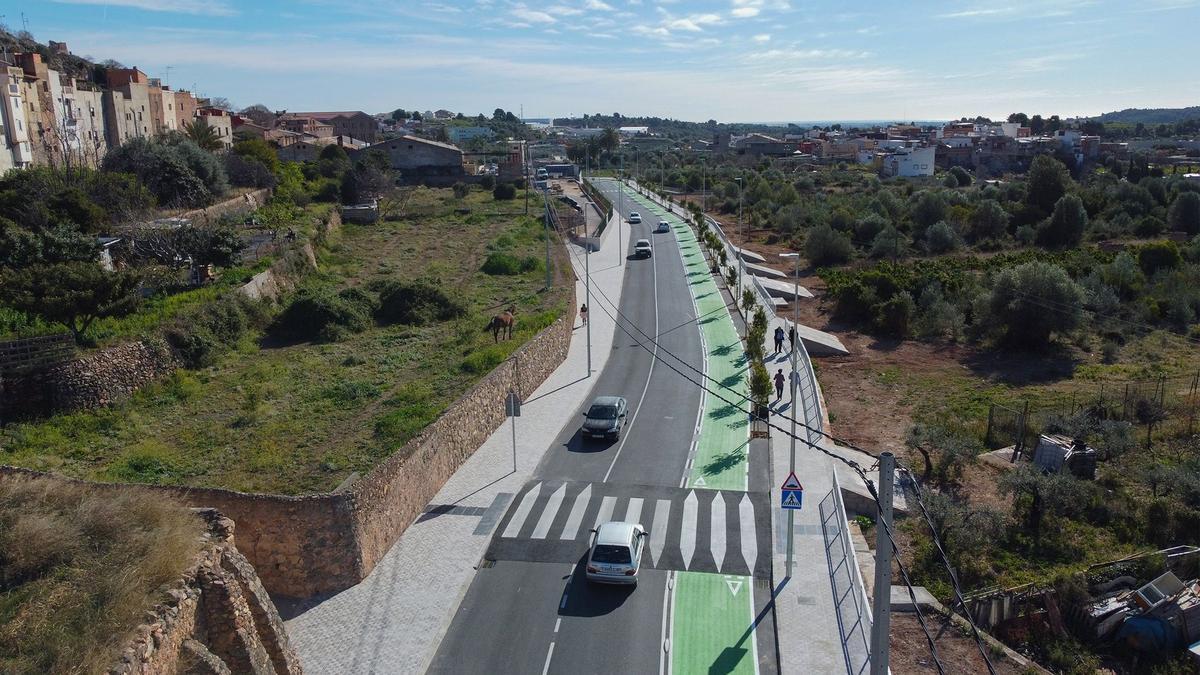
x=393 y=621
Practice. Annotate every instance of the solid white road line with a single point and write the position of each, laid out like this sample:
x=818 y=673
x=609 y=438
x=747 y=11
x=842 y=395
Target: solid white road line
x=522 y=512
x=658 y=531
x=548 y=513
x=606 y=510
x=716 y=534
x=687 y=531
x=575 y=519
x=633 y=512
x=749 y=539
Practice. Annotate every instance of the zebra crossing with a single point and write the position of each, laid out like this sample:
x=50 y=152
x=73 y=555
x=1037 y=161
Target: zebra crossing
x=719 y=531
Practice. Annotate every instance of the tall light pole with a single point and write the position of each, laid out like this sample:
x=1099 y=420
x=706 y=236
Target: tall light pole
x=792 y=449
x=587 y=274
x=738 y=252
x=621 y=210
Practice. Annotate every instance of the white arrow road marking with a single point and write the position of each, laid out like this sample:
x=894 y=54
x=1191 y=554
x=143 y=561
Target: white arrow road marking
x=548 y=513
x=749 y=538
x=658 y=531
x=687 y=532
x=734 y=585
x=606 y=511
x=716 y=534
x=522 y=512
x=575 y=519
x=633 y=512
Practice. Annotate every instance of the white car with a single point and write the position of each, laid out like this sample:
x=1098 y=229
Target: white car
x=642 y=249
x=635 y=217
x=663 y=226
x=616 y=553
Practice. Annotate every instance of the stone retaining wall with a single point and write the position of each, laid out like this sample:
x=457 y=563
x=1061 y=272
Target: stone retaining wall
x=100 y=378
x=216 y=619
x=240 y=204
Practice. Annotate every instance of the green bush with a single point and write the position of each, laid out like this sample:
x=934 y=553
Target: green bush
x=941 y=237
x=415 y=303
x=1158 y=255
x=824 y=246
x=504 y=191
x=484 y=360
x=199 y=337
x=312 y=312
x=488 y=182
x=506 y=264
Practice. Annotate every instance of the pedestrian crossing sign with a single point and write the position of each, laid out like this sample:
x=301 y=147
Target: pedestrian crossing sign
x=792 y=499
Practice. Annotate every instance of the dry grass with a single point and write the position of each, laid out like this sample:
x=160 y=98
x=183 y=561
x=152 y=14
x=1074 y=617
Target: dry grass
x=78 y=569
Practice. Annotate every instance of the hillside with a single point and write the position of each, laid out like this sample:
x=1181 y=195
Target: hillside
x=74 y=66
x=1151 y=115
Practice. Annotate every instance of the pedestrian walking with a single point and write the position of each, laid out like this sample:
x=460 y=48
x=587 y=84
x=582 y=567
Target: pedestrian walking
x=778 y=339
x=583 y=313
x=791 y=338
x=779 y=384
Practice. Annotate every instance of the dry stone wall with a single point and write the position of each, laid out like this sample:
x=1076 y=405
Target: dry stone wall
x=216 y=619
x=240 y=204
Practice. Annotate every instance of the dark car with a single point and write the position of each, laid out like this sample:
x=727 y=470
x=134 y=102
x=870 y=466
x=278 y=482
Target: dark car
x=605 y=418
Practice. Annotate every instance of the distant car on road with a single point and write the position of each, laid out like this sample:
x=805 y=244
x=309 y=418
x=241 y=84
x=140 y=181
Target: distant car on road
x=616 y=553
x=663 y=226
x=642 y=249
x=635 y=217
x=605 y=418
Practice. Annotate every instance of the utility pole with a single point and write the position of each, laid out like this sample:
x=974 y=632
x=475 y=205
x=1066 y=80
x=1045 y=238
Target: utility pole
x=882 y=603
x=736 y=253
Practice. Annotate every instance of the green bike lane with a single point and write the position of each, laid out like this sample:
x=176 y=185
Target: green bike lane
x=713 y=615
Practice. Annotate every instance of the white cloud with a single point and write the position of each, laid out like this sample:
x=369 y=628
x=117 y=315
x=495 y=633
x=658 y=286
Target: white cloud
x=744 y=12
x=598 y=5
x=213 y=8
x=563 y=10
x=806 y=54
x=523 y=13
x=762 y=37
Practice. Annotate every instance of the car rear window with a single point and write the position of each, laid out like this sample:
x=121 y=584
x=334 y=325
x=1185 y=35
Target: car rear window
x=603 y=412
x=611 y=555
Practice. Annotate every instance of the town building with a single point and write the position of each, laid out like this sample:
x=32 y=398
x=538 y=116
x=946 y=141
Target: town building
x=464 y=134
x=420 y=160
x=908 y=162
x=353 y=123
x=18 y=151
x=220 y=121
x=126 y=105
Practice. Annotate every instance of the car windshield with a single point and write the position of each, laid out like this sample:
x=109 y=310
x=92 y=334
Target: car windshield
x=612 y=555
x=603 y=412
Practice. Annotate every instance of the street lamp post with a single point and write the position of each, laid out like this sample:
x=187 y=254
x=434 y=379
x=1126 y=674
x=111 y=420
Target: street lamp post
x=794 y=378
x=737 y=251
x=621 y=210
x=587 y=275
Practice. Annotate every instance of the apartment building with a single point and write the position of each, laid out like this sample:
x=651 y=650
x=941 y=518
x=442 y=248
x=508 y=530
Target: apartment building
x=127 y=107
x=354 y=123
x=220 y=121
x=14 y=130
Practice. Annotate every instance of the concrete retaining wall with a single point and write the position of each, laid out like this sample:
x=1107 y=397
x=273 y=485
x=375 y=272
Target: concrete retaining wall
x=246 y=203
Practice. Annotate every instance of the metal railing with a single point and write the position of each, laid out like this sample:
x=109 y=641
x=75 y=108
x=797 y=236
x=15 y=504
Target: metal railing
x=849 y=593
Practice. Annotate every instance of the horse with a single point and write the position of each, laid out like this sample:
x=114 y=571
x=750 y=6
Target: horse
x=503 y=323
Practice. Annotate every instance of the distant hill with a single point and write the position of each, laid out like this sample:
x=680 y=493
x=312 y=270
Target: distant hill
x=1151 y=115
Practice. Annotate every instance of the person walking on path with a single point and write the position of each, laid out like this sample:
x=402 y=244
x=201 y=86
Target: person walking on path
x=779 y=379
x=778 y=339
x=583 y=313
x=791 y=338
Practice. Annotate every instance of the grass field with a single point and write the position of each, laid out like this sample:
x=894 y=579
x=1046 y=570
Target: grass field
x=79 y=569
x=300 y=418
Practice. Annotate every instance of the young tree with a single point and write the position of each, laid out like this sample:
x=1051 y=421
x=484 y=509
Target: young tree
x=1185 y=213
x=74 y=294
x=989 y=221
x=1048 y=181
x=1037 y=495
x=823 y=246
x=1031 y=302
x=1066 y=224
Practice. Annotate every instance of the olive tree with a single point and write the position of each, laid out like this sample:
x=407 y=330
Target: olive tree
x=1030 y=303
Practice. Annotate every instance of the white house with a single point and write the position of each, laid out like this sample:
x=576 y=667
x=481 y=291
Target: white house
x=908 y=162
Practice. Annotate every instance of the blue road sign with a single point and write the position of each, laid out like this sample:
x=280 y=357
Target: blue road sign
x=792 y=499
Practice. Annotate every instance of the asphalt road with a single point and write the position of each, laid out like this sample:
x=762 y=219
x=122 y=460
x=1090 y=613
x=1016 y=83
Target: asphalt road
x=528 y=617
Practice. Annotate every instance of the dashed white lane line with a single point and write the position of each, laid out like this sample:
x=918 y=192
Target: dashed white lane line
x=549 y=654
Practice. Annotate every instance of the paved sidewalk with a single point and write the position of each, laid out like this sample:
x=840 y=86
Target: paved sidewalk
x=394 y=620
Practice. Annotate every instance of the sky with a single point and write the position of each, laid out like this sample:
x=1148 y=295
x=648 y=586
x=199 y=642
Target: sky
x=729 y=60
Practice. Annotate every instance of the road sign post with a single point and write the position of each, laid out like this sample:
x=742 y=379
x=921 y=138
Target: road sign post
x=791 y=499
x=512 y=408
x=881 y=609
